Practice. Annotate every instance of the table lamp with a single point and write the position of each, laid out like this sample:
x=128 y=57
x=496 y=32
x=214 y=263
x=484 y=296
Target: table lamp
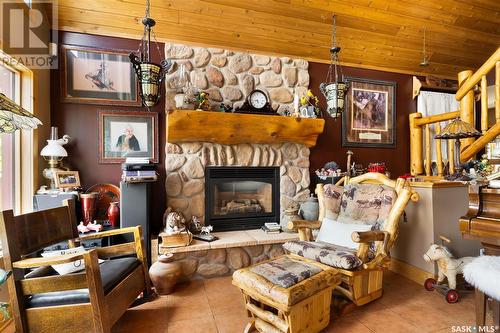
x=14 y=117
x=457 y=129
x=53 y=153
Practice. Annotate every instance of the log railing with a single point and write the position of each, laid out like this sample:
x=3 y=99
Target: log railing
x=467 y=80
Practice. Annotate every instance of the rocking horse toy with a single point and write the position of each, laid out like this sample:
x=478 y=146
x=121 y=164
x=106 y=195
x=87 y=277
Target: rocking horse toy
x=448 y=267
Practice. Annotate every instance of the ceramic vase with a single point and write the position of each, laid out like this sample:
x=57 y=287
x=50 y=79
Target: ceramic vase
x=88 y=202
x=310 y=209
x=165 y=273
x=290 y=214
x=114 y=214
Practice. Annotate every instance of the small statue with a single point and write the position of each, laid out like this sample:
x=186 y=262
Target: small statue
x=225 y=108
x=94 y=226
x=206 y=230
x=448 y=266
x=175 y=222
x=195 y=225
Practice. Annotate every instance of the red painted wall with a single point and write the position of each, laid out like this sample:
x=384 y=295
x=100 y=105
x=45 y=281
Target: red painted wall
x=80 y=121
x=329 y=146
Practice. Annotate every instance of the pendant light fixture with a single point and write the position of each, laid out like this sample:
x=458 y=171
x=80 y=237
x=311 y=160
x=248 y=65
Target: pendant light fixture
x=334 y=89
x=149 y=74
x=425 y=59
x=13 y=117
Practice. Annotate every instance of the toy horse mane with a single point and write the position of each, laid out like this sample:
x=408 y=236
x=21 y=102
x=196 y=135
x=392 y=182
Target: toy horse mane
x=445 y=249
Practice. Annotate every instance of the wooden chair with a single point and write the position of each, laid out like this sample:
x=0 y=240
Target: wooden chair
x=88 y=301
x=364 y=284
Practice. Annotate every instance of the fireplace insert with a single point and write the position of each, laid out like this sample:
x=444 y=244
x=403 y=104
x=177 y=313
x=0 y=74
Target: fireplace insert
x=240 y=198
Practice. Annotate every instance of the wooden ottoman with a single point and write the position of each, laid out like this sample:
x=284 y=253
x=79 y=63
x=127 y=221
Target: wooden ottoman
x=287 y=294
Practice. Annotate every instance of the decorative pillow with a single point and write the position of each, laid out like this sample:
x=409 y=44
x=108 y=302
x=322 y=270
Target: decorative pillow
x=332 y=195
x=72 y=267
x=366 y=204
x=337 y=233
x=328 y=254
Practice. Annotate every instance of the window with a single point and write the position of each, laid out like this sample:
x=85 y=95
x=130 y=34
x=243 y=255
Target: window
x=9 y=86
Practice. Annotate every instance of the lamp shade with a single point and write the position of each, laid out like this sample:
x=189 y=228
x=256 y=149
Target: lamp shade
x=458 y=129
x=53 y=148
x=14 y=117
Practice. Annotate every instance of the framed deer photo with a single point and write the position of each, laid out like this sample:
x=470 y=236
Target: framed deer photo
x=370 y=116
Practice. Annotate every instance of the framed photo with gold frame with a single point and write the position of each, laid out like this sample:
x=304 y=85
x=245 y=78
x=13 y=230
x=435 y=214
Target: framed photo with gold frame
x=125 y=134
x=369 y=119
x=66 y=179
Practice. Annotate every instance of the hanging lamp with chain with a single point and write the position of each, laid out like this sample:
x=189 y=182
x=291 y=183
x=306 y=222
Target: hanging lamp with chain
x=334 y=89
x=149 y=74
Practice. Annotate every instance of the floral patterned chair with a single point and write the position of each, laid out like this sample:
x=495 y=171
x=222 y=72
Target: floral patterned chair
x=358 y=224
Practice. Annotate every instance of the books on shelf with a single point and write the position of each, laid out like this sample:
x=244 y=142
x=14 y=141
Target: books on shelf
x=138 y=172
x=137 y=160
x=271 y=228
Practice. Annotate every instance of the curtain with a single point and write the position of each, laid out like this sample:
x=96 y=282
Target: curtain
x=431 y=103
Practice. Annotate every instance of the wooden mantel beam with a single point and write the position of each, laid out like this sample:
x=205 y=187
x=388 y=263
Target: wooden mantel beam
x=236 y=128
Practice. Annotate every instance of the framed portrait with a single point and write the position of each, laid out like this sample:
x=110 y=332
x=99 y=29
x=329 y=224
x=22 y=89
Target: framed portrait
x=97 y=76
x=369 y=119
x=125 y=134
x=66 y=179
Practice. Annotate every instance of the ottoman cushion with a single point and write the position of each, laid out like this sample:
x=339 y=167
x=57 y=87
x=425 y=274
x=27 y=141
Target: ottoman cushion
x=251 y=280
x=285 y=272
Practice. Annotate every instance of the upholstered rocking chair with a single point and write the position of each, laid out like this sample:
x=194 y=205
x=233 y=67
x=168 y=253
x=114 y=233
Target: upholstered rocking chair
x=358 y=224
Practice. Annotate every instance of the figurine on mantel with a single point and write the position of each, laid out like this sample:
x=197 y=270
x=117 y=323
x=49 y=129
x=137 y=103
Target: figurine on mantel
x=175 y=222
x=174 y=230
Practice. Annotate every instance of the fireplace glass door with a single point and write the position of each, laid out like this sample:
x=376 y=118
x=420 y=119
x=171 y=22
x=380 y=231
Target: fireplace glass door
x=247 y=197
x=241 y=197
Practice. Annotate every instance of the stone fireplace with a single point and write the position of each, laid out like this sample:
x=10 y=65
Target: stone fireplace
x=241 y=198
x=187 y=164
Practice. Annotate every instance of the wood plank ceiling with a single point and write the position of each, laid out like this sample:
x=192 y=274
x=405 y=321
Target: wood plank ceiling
x=377 y=34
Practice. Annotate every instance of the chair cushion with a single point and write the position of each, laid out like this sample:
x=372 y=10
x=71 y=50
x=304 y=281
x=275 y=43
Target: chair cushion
x=332 y=195
x=337 y=233
x=328 y=254
x=366 y=204
x=112 y=272
x=286 y=272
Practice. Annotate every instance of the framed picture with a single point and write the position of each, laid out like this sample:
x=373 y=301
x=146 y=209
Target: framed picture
x=127 y=134
x=370 y=116
x=67 y=179
x=96 y=76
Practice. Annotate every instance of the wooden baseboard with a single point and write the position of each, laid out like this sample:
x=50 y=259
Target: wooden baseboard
x=411 y=272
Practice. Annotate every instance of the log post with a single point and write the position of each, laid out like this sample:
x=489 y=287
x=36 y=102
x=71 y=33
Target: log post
x=439 y=153
x=497 y=91
x=428 y=150
x=466 y=104
x=416 y=136
x=451 y=156
x=484 y=104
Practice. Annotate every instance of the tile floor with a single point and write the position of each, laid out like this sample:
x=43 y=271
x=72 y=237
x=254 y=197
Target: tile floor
x=215 y=305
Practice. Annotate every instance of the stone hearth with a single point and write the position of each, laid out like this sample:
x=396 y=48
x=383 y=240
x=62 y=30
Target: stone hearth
x=233 y=250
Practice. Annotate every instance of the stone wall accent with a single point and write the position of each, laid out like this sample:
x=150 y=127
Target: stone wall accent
x=186 y=162
x=220 y=262
x=229 y=76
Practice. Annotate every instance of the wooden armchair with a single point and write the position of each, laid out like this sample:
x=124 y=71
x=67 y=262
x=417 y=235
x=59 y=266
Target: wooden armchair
x=364 y=283
x=88 y=301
